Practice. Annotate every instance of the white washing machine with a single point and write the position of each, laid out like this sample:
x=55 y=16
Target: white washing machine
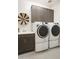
x=41 y=36
x=54 y=34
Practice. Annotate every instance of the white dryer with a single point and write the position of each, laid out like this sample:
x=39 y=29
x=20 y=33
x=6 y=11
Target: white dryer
x=54 y=38
x=41 y=36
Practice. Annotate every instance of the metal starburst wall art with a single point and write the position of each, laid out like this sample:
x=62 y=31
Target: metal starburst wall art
x=23 y=18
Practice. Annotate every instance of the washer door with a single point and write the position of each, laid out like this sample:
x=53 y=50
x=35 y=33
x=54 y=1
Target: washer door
x=42 y=31
x=55 y=30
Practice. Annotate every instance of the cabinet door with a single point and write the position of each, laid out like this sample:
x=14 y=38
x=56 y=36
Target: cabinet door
x=26 y=43
x=20 y=44
x=41 y=14
x=29 y=42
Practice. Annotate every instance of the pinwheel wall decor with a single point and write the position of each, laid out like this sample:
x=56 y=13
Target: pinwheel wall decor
x=23 y=18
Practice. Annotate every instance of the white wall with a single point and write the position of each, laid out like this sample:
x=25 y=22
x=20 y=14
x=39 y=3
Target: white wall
x=25 y=6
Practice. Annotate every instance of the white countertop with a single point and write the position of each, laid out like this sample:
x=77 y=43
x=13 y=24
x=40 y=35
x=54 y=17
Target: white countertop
x=25 y=33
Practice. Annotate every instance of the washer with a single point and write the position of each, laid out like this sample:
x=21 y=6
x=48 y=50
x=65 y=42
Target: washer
x=41 y=36
x=54 y=32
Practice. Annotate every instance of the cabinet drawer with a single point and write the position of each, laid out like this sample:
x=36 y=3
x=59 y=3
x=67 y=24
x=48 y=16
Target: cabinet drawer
x=28 y=35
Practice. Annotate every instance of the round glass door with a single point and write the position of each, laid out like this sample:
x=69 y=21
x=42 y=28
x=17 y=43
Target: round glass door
x=55 y=30
x=42 y=31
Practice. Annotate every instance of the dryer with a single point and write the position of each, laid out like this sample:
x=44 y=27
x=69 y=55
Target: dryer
x=41 y=36
x=54 y=34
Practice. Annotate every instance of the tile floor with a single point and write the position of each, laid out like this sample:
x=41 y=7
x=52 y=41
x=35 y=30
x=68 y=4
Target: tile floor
x=48 y=54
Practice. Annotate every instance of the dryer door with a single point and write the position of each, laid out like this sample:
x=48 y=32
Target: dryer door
x=42 y=31
x=55 y=30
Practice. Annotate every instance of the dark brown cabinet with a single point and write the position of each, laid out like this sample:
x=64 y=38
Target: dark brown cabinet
x=26 y=43
x=42 y=14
